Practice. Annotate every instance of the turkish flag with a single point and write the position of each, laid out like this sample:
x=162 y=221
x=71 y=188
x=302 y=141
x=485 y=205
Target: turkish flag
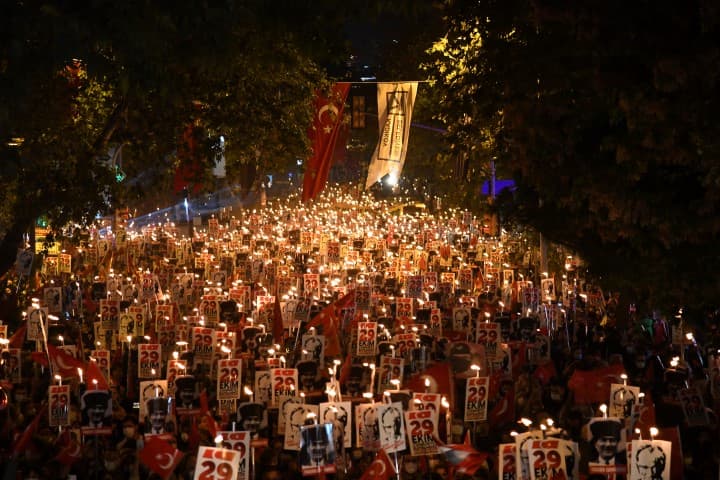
x=277 y=326
x=24 y=441
x=328 y=320
x=593 y=386
x=323 y=136
x=380 y=469
x=441 y=381
x=93 y=373
x=18 y=338
x=70 y=450
x=159 y=456
x=64 y=364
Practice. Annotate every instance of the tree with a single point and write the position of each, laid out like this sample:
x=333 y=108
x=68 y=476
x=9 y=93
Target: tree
x=602 y=111
x=92 y=89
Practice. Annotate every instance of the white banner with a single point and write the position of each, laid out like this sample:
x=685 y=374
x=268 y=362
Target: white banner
x=395 y=106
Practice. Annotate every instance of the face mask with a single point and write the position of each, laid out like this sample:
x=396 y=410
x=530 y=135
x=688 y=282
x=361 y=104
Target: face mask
x=556 y=397
x=129 y=432
x=411 y=467
x=640 y=364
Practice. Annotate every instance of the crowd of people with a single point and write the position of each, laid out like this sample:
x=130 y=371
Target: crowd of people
x=310 y=337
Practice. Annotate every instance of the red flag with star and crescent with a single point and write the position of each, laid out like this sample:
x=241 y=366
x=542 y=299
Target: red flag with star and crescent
x=159 y=456
x=323 y=136
x=380 y=469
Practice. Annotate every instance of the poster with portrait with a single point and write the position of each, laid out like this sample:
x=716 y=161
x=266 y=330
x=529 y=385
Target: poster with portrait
x=622 y=400
x=102 y=358
x=650 y=460
x=339 y=414
x=239 y=442
x=391 y=368
x=462 y=319
x=297 y=416
x=284 y=383
x=435 y=323
x=159 y=420
x=53 y=299
x=59 y=405
x=282 y=408
x=547 y=460
x=366 y=339
x=476 y=389
x=313 y=348
x=488 y=334
x=607 y=455
x=216 y=463
x=422 y=430
x=151 y=389
x=367 y=432
x=547 y=287
x=263 y=387
x=228 y=378
x=96 y=408
x=522 y=460
x=693 y=407
x=149 y=356
x=391 y=426
x=506 y=461
x=317 y=450
x=36 y=317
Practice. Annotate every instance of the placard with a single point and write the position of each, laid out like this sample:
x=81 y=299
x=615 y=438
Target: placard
x=366 y=431
x=228 y=378
x=506 y=461
x=367 y=339
x=239 y=442
x=546 y=459
x=476 y=389
x=296 y=415
x=149 y=355
x=284 y=382
x=317 y=450
x=650 y=459
x=216 y=464
x=391 y=368
x=339 y=415
x=59 y=405
x=422 y=431
x=391 y=424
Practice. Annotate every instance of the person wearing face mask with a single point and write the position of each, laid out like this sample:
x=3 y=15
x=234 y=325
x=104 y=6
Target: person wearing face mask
x=130 y=434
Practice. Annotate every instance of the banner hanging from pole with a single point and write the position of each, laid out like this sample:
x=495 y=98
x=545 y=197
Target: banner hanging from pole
x=323 y=136
x=395 y=106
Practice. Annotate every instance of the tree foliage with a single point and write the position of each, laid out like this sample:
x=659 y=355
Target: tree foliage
x=603 y=112
x=90 y=86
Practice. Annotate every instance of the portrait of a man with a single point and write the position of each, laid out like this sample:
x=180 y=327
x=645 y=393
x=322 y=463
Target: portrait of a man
x=606 y=440
x=650 y=462
x=391 y=427
x=158 y=411
x=96 y=408
x=251 y=416
x=317 y=449
x=185 y=395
